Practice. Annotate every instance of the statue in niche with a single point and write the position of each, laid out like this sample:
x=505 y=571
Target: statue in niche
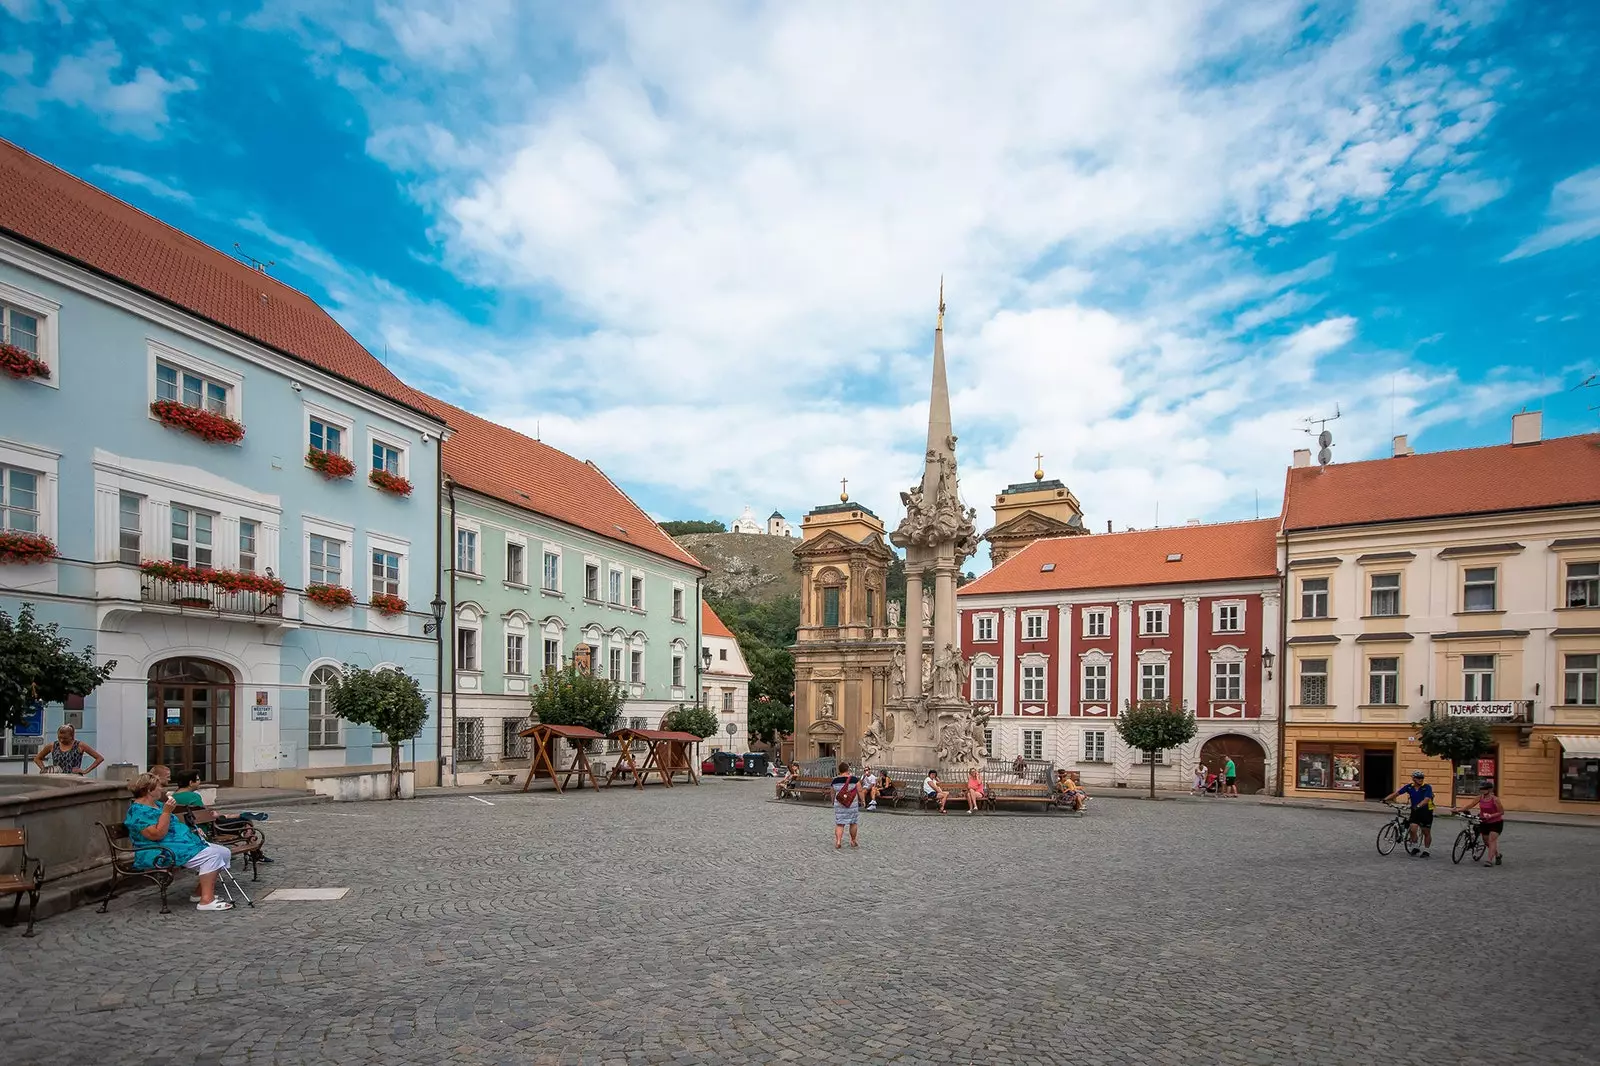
x=827 y=703
x=897 y=674
x=927 y=609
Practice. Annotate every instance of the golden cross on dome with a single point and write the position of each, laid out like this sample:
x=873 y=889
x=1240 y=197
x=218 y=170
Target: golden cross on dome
x=1038 y=473
x=844 y=495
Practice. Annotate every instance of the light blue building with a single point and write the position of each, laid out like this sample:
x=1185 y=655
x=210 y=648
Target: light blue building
x=158 y=349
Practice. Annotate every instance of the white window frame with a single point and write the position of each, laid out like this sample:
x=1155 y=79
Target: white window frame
x=983 y=683
x=1231 y=672
x=615 y=577
x=1472 y=679
x=1493 y=586
x=192 y=546
x=1097 y=618
x=1094 y=746
x=1373 y=590
x=544 y=651
x=140 y=504
x=1326 y=592
x=1038 y=673
x=1302 y=674
x=1590 y=582
x=1160 y=611
x=48 y=312
x=232 y=380
x=477 y=548
x=677 y=667
x=636 y=666
x=514 y=540
x=615 y=661
x=1036 y=619
x=1575 y=678
x=394 y=546
x=240 y=555
x=468 y=620
x=642 y=583
x=45 y=466
x=591 y=563
x=985 y=628
x=392 y=440
x=1033 y=743
x=550 y=550
x=516 y=627
x=1219 y=609
x=1373 y=674
x=1101 y=663
x=680 y=603
x=343 y=423
x=311 y=717
x=1151 y=669
x=345 y=535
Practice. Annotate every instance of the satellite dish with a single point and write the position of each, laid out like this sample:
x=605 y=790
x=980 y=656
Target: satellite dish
x=1324 y=439
x=1324 y=456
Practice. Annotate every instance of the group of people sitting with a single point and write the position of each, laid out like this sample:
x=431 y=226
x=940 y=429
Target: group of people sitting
x=155 y=821
x=877 y=784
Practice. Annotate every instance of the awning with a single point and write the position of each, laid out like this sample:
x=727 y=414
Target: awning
x=1578 y=747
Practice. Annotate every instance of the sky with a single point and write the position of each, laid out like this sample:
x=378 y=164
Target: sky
x=701 y=244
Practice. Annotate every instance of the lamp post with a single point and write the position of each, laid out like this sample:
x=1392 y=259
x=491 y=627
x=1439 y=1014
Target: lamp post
x=1267 y=659
x=431 y=629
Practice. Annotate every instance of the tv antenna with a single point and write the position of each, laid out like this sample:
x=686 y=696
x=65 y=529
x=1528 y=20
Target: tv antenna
x=1318 y=427
x=255 y=264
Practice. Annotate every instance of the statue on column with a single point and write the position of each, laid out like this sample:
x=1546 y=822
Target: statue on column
x=894 y=614
x=872 y=740
x=927 y=609
x=952 y=670
x=897 y=673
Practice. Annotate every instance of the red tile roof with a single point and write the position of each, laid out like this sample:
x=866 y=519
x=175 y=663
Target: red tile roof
x=72 y=219
x=1225 y=551
x=711 y=625
x=1561 y=472
x=525 y=473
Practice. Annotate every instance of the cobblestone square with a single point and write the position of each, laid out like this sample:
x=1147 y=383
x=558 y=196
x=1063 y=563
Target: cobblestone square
x=712 y=925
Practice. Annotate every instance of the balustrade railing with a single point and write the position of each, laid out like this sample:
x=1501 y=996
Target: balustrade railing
x=1509 y=711
x=201 y=596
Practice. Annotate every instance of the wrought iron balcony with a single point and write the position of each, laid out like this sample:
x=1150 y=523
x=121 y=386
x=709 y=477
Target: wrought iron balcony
x=201 y=596
x=1510 y=712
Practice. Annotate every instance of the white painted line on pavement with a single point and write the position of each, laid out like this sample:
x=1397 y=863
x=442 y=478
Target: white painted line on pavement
x=485 y=802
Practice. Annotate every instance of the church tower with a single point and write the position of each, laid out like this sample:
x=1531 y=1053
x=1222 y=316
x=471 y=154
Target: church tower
x=1030 y=511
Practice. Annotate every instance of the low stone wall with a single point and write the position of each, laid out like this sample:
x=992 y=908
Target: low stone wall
x=362 y=785
x=59 y=813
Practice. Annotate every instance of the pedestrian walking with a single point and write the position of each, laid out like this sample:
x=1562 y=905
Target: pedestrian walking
x=846 y=805
x=1231 y=777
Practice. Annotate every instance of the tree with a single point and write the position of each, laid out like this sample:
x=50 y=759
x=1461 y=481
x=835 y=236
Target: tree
x=1155 y=726
x=1461 y=740
x=389 y=701
x=678 y=529
x=691 y=719
x=38 y=664
x=770 y=720
x=573 y=696
x=765 y=629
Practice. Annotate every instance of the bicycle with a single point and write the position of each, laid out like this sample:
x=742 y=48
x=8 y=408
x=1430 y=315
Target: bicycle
x=1397 y=831
x=1469 y=839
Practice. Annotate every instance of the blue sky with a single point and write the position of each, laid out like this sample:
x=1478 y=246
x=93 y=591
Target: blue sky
x=700 y=243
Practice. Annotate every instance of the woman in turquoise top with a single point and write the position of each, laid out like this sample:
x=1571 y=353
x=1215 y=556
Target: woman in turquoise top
x=150 y=821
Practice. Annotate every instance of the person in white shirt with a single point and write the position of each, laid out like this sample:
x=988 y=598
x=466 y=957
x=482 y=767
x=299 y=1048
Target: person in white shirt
x=932 y=788
x=869 y=787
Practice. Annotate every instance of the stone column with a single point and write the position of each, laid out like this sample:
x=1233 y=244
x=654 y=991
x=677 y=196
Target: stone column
x=913 y=622
x=1191 y=654
x=1008 y=661
x=944 y=608
x=1271 y=637
x=1063 y=697
x=1125 y=672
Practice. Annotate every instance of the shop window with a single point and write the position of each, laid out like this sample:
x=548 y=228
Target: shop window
x=1325 y=766
x=1468 y=774
x=1580 y=780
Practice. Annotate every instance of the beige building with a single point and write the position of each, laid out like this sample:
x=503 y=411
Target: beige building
x=1030 y=511
x=1463 y=583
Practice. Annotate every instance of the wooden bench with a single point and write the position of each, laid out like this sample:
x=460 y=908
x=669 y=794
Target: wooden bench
x=815 y=779
x=26 y=881
x=905 y=784
x=123 y=856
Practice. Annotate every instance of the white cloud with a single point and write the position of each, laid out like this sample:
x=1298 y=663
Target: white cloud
x=1572 y=217
x=1462 y=193
x=135 y=104
x=154 y=186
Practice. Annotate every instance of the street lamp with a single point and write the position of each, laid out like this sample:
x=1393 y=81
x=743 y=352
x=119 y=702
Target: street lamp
x=438 y=605
x=1267 y=659
x=705 y=657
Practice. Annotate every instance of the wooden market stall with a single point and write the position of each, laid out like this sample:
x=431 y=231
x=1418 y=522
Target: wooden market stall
x=667 y=754
x=544 y=758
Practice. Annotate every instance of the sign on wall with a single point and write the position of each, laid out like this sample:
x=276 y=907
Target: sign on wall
x=1480 y=709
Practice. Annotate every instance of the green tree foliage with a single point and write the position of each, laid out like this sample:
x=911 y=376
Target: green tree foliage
x=765 y=630
x=572 y=696
x=1457 y=739
x=38 y=664
x=691 y=719
x=389 y=701
x=678 y=529
x=1155 y=726
x=770 y=719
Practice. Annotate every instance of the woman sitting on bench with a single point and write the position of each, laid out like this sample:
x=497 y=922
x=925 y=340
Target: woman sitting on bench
x=788 y=780
x=1071 y=792
x=150 y=819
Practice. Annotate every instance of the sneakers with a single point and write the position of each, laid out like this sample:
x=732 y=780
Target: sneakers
x=871 y=806
x=214 y=905
x=1424 y=853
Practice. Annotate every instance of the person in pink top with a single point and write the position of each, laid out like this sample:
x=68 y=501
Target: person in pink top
x=974 y=790
x=1491 y=821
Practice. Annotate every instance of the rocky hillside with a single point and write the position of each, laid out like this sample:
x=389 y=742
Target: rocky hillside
x=745 y=565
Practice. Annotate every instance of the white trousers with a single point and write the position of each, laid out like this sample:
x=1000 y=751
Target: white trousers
x=212 y=857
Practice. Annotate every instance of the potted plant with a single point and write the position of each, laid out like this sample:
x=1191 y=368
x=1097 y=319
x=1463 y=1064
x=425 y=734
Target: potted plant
x=391 y=483
x=330 y=465
x=386 y=604
x=210 y=427
x=26 y=547
x=330 y=596
x=246 y=581
x=21 y=363
x=170 y=571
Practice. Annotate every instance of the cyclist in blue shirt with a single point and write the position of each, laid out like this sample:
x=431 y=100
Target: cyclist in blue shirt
x=1421 y=797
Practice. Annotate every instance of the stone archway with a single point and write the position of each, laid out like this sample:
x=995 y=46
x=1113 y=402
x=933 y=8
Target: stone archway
x=1249 y=759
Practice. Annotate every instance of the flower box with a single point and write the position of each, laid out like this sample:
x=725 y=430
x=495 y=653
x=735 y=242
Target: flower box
x=21 y=364
x=191 y=601
x=169 y=571
x=245 y=581
x=386 y=604
x=26 y=548
x=391 y=483
x=215 y=428
x=330 y=596
x=330 y=465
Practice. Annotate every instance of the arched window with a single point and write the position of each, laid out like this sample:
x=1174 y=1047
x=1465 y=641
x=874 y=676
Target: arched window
x=323 y=724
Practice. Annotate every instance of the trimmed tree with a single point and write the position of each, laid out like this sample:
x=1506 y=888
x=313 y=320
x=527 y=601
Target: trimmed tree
x=1460 y=740
x=390 y=701
x=770 y=720
x=696 y=719
x=38 y=664
x=573 y=696
x=1155 y=726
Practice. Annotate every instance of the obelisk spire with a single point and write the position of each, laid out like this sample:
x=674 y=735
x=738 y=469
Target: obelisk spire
x=939 y=428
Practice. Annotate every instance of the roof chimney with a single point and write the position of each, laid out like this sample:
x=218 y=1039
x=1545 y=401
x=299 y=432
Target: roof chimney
x=1192 y=522
x=1527 y=427
x=1401 y=447
x=1302 y=457
x=1108 y=525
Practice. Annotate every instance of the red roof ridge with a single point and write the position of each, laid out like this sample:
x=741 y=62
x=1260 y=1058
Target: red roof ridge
x=711 y=624
x=1152 y=529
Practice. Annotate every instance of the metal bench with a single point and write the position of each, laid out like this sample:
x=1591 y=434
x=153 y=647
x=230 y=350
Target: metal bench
x=123 y=856
x=240 y=837
x=905 y=785
x=815 y=779
x=1034 y=783
x=26 y=881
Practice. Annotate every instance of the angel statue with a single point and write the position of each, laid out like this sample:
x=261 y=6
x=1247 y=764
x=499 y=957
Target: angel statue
x=897 y=673
x=950 y=670
x=894 y=614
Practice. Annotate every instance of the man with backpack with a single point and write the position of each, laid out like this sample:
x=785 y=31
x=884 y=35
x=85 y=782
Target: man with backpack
x=846 y=805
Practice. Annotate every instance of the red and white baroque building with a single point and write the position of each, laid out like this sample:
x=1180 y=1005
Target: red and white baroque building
x=1069 y=630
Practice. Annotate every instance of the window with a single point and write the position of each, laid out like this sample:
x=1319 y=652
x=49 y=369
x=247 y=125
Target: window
x=552 y=572
x=983 y=627
x=130 y=533
x=1227 y=681
x=513 y=745
x=1153 y=621
x=727 y=701
x=1478 y=591
x=636 y=667
x=468 y=740
x=677 y=605
x=1385 y=596
x=249 y=534
x=1096 y=682
x=19 y=329
x=1477 y=677
x=1583 y=584
x=516 y=663
x=1094 y=745
x=385 y=573
x=1229 y=618
x=1314 y=597
x=1033 y=625
x=614 y=587
x=385 y=457
x=722 y=654
x=467 y=550
x=191 y=537
x=466 y=648
x=552 y=653
x=830 y=607
x=1033 y=684
x=322 y=723
x=1383 y=680
x=677 y=670
x=591 y=581
x=516 y=563
x=1033 y=743
x=983 y=683
x=190 y=389
x=988 y=743
x=616 y=664
x=1580 y=779
x=1152 y=681
x=636 y=593
x=1324 y=766
x=1096 y=623
x=327 y=437
x=872 y=608
x=326 y=565
x=1582 y=681
x=1314 y=682
x=19 y=500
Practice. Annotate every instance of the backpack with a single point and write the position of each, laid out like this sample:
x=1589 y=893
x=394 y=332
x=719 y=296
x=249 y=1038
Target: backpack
x=848 y=792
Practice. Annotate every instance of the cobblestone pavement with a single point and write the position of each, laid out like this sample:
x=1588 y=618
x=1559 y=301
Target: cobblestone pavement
x=711 y=925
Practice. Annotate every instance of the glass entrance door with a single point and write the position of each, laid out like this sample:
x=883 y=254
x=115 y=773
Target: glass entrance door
x=190 y=718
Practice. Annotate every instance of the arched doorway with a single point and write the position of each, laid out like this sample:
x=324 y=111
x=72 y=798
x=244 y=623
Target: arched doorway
x=190 y=718
x=1248 y=759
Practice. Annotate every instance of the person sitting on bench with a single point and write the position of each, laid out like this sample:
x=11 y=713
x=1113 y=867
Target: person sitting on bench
x=1070 y=790
x=933 y=789
x=788 y=780
x=150 y=819
x=190 y=801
